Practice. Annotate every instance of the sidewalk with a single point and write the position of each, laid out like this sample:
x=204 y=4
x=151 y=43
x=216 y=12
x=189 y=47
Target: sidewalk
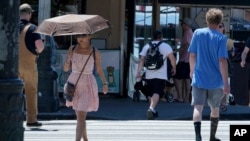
x=116 y=108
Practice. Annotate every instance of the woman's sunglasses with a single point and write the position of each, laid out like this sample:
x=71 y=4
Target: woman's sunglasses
x=221 y=26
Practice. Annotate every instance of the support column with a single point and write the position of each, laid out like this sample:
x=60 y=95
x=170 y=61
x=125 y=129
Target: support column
x=11 y=87
x=156 y=15
x=47 y=89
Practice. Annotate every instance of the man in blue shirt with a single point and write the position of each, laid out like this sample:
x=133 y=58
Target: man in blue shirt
x=208 y=71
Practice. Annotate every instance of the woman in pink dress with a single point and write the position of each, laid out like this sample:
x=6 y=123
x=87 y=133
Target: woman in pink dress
x=86 y=95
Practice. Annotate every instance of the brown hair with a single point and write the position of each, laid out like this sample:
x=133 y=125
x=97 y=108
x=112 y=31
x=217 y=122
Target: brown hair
x=157 y=35
x=221 y=25
x=214 y=16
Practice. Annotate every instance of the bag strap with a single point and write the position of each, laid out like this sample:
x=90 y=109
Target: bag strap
x=26 y=27
x=83 y=67
x=157 y=45
x=24 y=31
x=94 y=52
x=94 y=71
x=152 y=45
x=73 y=48
x=94 y=55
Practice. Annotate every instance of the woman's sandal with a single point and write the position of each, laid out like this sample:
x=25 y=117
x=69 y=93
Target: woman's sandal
x=223 y=108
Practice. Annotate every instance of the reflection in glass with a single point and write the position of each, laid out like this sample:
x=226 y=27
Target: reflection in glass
x=168 y=20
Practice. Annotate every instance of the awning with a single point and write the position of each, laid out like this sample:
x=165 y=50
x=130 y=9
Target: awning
x=210 y=3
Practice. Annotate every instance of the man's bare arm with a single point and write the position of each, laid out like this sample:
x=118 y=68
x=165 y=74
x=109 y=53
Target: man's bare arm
x=39 y=45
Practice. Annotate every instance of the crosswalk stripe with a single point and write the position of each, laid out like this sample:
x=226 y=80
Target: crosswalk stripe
x=122 y=130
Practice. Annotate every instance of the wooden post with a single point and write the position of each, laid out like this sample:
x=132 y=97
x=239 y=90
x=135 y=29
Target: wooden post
x=156 y=15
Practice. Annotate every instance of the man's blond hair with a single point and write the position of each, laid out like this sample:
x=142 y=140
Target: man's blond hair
x=214 y=16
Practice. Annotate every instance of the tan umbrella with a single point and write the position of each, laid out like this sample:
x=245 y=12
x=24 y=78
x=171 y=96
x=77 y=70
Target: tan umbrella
x=72 y=24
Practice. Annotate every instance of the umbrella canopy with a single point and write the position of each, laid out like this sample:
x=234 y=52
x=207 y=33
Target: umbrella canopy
x=72 y=24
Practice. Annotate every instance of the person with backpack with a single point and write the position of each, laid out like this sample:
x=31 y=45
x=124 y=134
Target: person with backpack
x=154 y=57
x=208 y=71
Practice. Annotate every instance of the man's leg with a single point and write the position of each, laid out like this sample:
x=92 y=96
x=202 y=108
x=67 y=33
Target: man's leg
x=214 y=119
x=154 y=100
x=199 y=97
x=157 y=86
x=197 y=118
x=31 y=82
x=214 y=100
x=152 y=113
x=213 y=128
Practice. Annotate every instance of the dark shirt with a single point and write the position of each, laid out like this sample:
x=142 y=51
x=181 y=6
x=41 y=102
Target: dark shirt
x=30 y=36
x=238 y=49
x=247 y=44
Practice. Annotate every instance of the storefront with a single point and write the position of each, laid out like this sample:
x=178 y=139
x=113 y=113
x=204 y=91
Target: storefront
x=164 y=15
x=133 y=22
x=51 y=76
x=55 y=8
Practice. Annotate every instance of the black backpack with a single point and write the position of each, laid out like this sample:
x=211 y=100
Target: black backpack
x=154 y=59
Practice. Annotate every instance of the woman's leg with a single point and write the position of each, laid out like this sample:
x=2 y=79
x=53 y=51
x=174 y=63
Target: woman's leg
x=187 y=87
x=179 y=89
x=81 y=130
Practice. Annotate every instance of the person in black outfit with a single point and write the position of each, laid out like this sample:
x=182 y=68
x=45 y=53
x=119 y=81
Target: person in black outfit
x=244 y=62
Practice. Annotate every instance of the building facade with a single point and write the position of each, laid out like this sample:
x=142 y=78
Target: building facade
x=133 y=21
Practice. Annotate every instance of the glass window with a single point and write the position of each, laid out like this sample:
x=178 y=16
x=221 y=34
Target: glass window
x=239 y=24
x=62 y=7
x=168 y=21
x=143 y=27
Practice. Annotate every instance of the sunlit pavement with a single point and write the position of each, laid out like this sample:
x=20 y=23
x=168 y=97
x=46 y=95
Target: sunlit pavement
x=127 y=130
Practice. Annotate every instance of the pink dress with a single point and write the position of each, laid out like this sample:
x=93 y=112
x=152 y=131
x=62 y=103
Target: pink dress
x=86 y=95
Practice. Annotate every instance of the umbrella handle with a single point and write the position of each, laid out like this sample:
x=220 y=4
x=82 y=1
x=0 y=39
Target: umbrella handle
x=110 y=28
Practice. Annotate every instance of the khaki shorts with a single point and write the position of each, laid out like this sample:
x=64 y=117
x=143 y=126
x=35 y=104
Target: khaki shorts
x=212 y=96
